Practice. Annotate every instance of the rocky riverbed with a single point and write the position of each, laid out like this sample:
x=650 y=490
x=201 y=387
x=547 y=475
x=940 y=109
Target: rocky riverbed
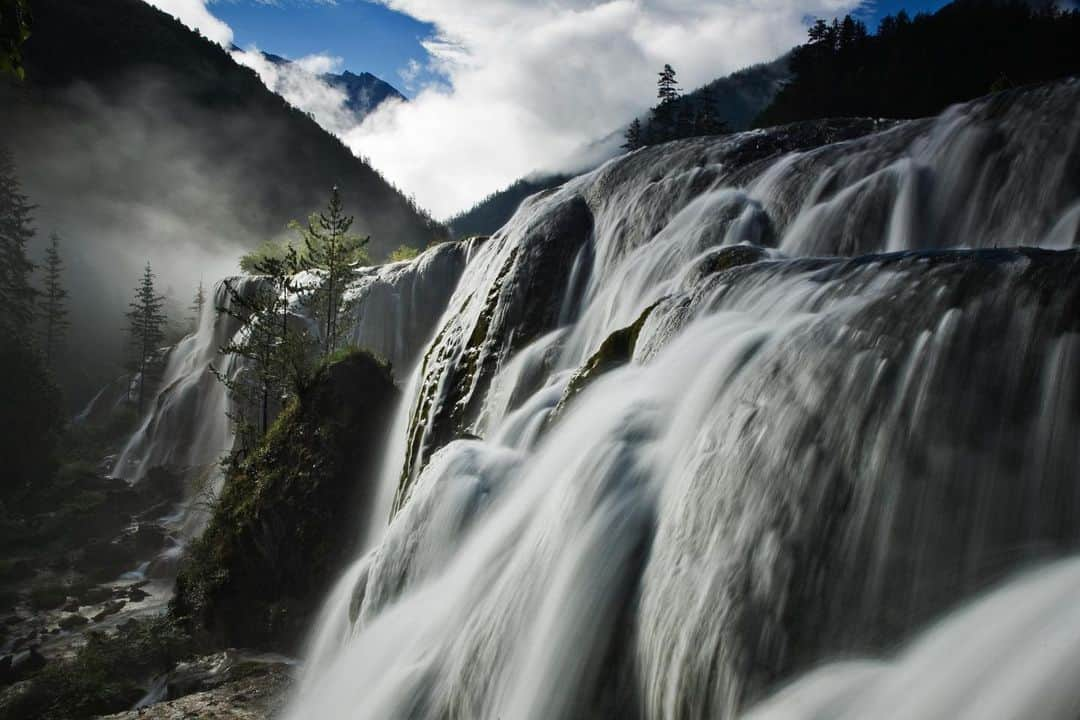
x=226 y=686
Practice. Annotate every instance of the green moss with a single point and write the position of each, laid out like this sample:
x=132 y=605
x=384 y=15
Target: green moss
x=403 y=252
x=616 y=350
x=427 y=433
x=280 y=528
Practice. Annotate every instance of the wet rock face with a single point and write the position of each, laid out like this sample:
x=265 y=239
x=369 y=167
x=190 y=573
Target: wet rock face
x=523 y=298
x=289 y=514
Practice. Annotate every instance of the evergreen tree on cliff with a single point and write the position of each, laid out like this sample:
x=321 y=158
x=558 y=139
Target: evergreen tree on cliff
x=277 y=355
x=196 y=307
x=16 y=230
x=52 y=307
x=665 y=116
x=633 y=136
x=332 y=251
x=667 y=87
x=146 y=327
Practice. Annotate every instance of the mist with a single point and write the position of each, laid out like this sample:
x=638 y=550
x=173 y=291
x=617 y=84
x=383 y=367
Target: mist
x=125 y=180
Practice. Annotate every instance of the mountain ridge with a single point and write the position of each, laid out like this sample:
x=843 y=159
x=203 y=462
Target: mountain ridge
x=364 y=91
x=139 y=140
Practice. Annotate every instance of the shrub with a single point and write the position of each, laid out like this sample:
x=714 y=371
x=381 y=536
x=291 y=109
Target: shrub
x=403 y=252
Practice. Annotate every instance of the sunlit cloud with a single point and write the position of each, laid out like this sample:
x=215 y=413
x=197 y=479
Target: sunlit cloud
x=196 y=16
x=510 y=87
x=523 y=85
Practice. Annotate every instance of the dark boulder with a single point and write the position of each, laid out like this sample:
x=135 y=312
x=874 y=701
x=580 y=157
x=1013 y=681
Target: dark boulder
x=281 y=530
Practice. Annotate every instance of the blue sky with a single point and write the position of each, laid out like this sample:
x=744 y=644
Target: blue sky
x=367 y=36
x=370 y=37
x=522 y=86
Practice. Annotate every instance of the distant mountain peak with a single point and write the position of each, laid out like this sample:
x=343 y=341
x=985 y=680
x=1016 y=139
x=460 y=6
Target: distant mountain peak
x=365 y=91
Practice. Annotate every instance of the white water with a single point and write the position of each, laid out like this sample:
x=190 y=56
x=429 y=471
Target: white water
x=1013 y=654
x=186 y=430
x=806 y=458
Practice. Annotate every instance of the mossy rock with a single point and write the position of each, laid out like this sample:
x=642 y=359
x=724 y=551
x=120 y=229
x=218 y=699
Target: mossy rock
x=616 y=351
x=289 y=512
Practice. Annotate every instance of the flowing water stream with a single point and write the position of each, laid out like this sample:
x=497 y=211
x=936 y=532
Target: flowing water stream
x=728 y=409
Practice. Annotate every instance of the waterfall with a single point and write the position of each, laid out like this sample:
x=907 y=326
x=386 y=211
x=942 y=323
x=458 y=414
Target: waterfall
x=726 y=408
x=186 y=429
x=1013 y=654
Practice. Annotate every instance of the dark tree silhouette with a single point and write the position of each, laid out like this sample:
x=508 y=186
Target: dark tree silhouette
x=632 y=136
x=917 y=67
x=52 y=307
x=667 y=87
x=17 y=295
x=196 y=308
x=30 y=409
x=146 y=328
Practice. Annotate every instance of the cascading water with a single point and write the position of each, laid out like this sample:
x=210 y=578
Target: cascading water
x=662 y=455
x=187 y=431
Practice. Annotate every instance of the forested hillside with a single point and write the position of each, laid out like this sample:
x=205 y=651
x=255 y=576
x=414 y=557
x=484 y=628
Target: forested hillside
x=915 y=67
x=139 y=140
x=141 y=60
x=731 y=102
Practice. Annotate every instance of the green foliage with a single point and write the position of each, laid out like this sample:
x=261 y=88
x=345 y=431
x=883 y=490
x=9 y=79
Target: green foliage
x=106 y=676
x=271 y=250
x=917 y=67
x=676 y=116
x=14 y=31
x=333 y=251
x=276 y=351
x=274 y=541
x=146 y=328
x=403 y=252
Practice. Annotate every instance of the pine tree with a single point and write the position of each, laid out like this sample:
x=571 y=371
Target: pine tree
x=667 y=87
x=17 y=296
x=666 y=118
x=705 y=120
x=331 y=250
x=146 y=328
x=633 y=136
x=52 y=307
x=196 y=307
x=276 y=355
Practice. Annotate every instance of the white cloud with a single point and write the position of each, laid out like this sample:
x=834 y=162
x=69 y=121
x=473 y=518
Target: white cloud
x=515 y=86
x=526 y=83
x=410 y=73
x=194 y=14
x=299 y=82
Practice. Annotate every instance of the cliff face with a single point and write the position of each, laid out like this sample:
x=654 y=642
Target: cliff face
x=290 y=514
